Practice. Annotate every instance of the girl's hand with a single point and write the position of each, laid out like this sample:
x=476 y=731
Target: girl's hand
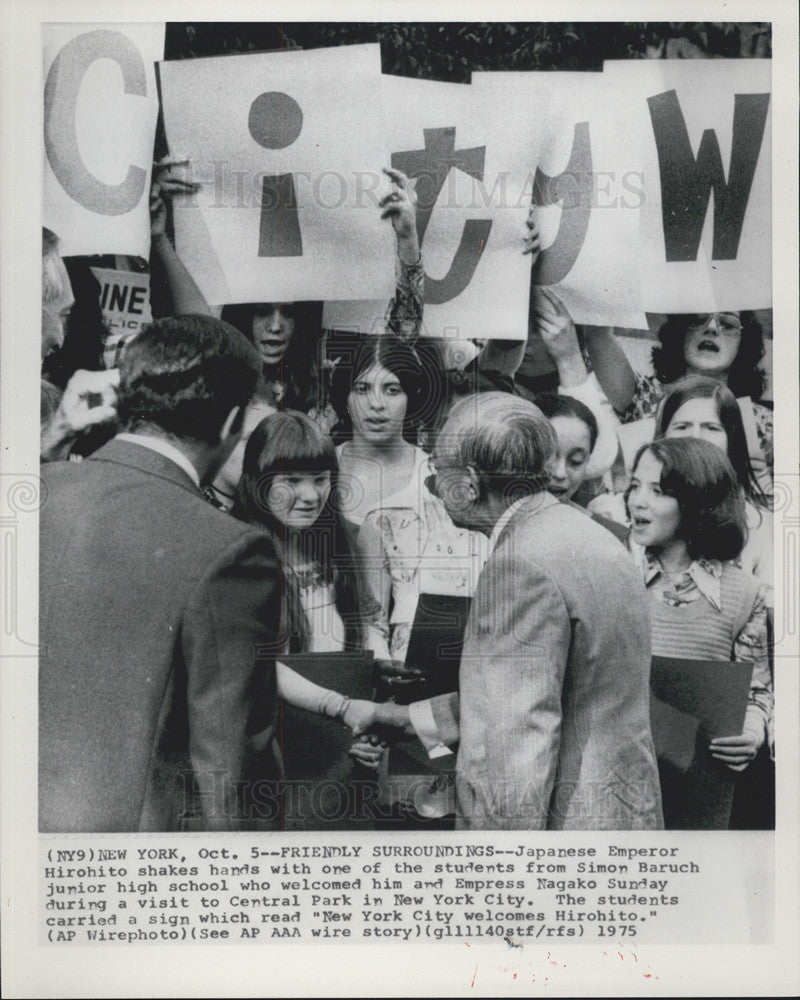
x=368 y=751
x=400 y=207
x=555 y=325
x=158 y=213
x=359 y=715
x=530 y=241
x=736 y=752
x=170 y=174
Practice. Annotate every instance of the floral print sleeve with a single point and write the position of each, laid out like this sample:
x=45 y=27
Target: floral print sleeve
x=649 y=393
x=751 y=645
x=763 y=418
x=404 y=315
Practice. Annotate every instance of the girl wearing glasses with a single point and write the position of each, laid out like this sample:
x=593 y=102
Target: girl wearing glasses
x=725 y=346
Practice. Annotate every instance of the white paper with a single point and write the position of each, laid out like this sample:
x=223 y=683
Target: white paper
x=100 y=108
x=474 y=184
x=295 y=103
x=706 y=91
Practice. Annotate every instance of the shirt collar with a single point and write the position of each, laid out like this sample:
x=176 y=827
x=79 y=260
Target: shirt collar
x=706 y=574
x=163 y=447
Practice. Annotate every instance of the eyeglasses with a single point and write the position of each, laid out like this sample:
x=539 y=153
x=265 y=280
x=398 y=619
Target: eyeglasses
x=433 y=473
x=727 y=324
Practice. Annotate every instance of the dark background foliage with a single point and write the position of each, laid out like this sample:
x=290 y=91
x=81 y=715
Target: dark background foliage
x=451 y=51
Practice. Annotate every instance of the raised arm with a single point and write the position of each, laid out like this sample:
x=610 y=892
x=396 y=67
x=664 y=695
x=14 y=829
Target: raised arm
x=555 y=326
x=404 y=318
x=172 y=287
x=611 y=366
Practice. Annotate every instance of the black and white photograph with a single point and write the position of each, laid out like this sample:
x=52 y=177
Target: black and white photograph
x=416 y=483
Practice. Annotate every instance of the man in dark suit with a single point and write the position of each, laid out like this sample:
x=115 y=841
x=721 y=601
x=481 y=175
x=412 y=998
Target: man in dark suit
x=554 y=680
x=159 y=614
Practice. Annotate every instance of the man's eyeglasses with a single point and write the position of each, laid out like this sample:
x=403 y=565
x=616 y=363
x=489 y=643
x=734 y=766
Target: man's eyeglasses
x=727 y=324
x=433 y=472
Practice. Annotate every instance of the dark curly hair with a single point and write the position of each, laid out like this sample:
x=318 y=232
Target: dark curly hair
x=184 y=375
x=699 y=476
x=745 y=376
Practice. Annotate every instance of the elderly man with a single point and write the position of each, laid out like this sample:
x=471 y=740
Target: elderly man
x=89 y=398
x=554 y=700
x=159 y=614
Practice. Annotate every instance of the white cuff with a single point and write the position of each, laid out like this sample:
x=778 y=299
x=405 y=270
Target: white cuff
x=420 y=715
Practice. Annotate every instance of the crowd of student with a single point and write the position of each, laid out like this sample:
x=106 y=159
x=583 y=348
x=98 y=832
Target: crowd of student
x=379 y=469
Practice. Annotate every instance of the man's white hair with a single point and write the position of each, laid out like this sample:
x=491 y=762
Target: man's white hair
x=502 y=437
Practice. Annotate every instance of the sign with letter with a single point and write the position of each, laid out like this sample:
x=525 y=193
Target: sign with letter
x=100 y=109
x=471 y=169
x=586 y=192
x=700 y=130
x=288 y=148
x=125 y=303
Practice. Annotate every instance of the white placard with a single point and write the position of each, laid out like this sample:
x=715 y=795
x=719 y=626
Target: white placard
x=100 y=109
x=470 y=158
x=286 y=210
x=588 y=195
x=701 y=130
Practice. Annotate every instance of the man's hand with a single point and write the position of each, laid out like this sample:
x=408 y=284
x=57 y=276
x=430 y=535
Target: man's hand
x=90 y=398
x=387 y=713
x=359 y=715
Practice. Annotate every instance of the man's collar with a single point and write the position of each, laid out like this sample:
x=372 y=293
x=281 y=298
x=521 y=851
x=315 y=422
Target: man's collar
x=543 y=499
x=163 y=447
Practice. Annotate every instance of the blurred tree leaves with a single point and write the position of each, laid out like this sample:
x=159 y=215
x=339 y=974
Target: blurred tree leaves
x=450 y=51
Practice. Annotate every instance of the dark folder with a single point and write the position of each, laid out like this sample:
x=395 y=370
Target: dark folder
x=691 y=703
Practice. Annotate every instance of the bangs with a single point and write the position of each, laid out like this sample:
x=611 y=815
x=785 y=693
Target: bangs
x=289 y=442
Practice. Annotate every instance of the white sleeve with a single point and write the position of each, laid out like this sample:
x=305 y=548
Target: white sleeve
x=605 y=450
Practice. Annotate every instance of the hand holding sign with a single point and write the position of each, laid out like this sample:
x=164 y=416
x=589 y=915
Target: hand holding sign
x=400 y=207
x=531 y=241
x=165 y=185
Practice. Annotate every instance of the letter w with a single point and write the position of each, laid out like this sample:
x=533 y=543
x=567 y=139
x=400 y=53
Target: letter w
x=686 y=182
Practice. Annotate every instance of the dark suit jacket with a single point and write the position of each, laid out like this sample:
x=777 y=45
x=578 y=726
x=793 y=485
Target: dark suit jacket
x=156 y=702
x=554 y=683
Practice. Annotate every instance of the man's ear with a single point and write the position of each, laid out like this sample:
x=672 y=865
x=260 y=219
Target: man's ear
x=475 y=485
x=233 y=424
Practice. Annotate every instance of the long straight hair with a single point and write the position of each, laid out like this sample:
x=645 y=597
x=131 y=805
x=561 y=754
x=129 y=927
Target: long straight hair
x=290 y=442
